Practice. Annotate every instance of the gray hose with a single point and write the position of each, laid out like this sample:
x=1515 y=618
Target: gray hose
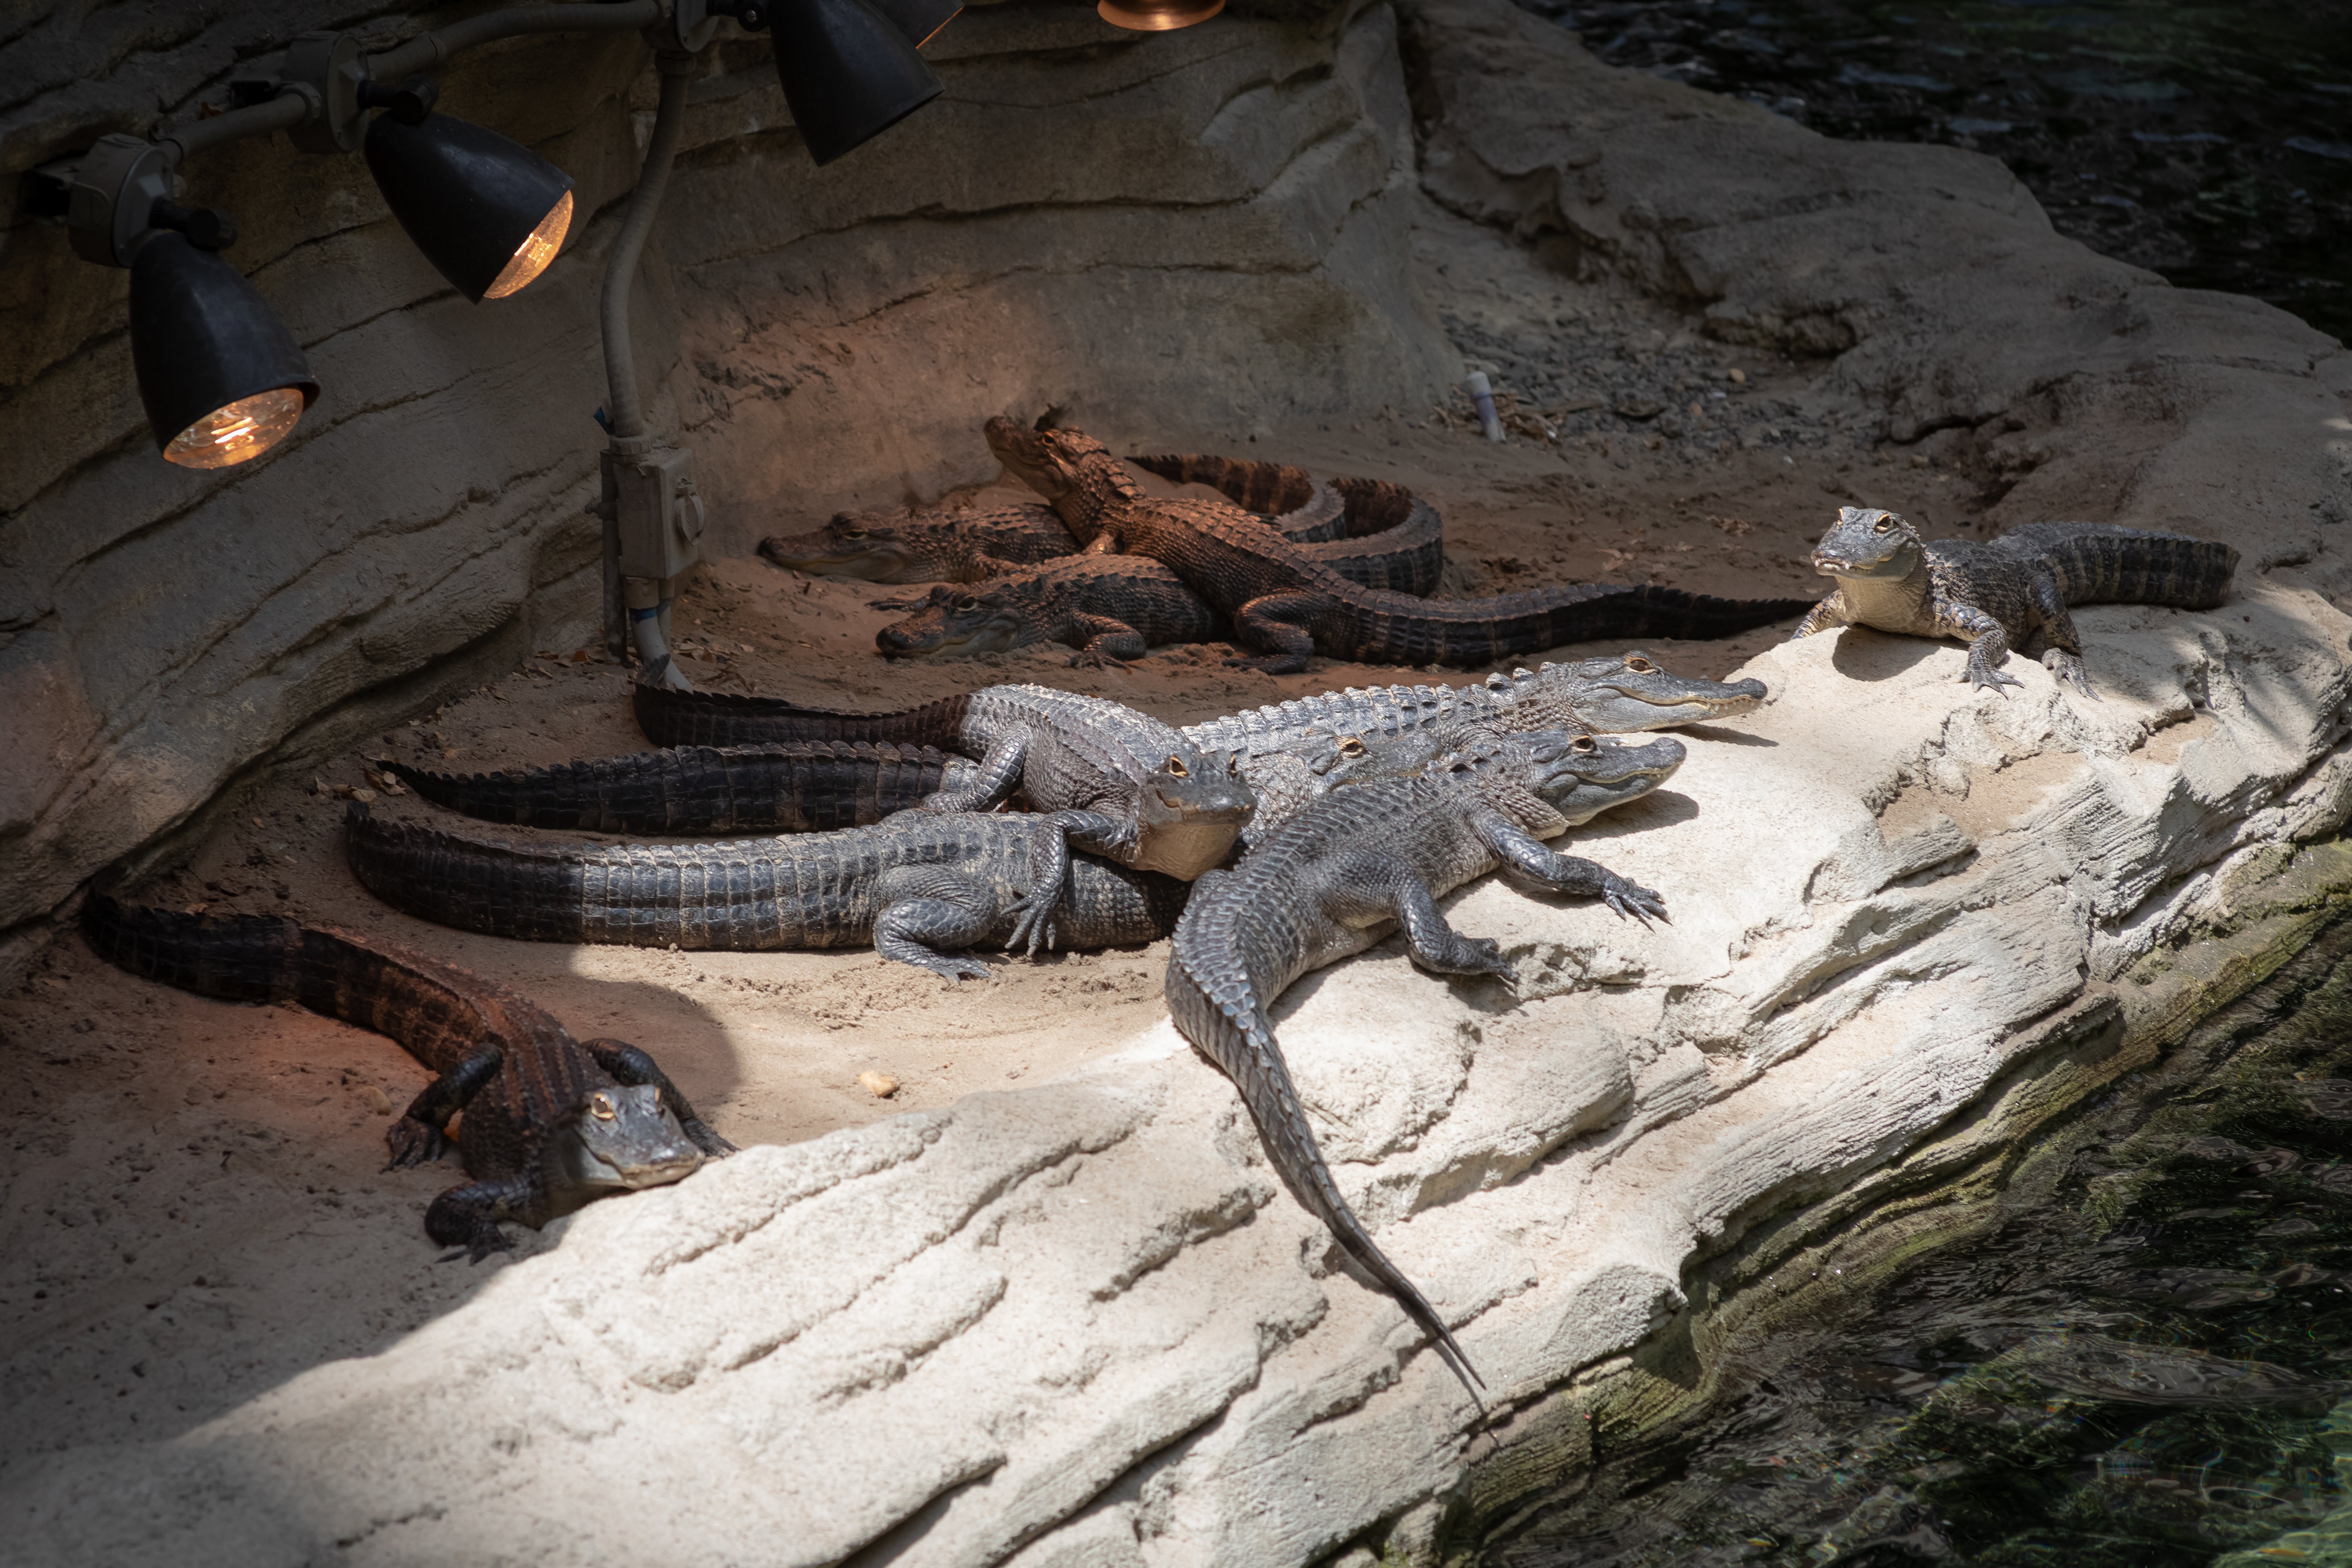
x=429 y=49
x=627 y=420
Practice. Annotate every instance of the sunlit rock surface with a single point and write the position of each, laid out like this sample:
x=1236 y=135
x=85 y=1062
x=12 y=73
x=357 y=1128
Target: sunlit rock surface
x=1082 y=1323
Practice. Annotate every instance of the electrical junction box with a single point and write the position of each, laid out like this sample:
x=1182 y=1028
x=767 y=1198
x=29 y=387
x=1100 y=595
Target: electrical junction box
x=652 y=498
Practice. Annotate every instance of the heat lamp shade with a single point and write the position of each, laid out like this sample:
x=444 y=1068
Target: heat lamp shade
x=472 y=201
x=848 y=72
x=204 y=341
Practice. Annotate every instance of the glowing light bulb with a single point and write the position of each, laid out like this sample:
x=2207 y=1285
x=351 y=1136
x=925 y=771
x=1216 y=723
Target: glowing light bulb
x=238 y=432
x=531 y=257
x=1156 y=15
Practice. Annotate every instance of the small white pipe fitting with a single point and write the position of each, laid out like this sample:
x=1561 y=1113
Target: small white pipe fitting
x=649 y=600
x=1482 y=392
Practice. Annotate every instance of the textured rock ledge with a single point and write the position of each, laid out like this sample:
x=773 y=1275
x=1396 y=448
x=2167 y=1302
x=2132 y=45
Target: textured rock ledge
x=1080 y=1324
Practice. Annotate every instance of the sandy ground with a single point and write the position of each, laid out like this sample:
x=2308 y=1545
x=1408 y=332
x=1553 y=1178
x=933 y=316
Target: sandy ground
x=194 y=1206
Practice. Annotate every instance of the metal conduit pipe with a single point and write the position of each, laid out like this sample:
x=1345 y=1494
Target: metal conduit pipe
x=624 y=414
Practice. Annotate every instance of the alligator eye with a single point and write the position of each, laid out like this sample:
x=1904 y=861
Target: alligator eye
x=969 y=602
x=1640 y=666
x=603 y=1107
x=1351 y=746
x=1884 y=525
x=1583 y=746
x=1176 y=766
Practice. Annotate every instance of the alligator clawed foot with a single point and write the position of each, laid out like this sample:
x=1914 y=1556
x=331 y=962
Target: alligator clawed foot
x=1632 y=902
x=1992 y=679
x=959 y=969
x=2069 y=670
x=414 y=1142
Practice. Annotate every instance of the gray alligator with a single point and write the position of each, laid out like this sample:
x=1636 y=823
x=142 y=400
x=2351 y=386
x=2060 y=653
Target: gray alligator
x=920 y=888
x=2012 y=593
x=1334 y=879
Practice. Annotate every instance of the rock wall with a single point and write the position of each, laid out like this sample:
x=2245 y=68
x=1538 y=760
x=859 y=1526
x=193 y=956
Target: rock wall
x=1203 y=222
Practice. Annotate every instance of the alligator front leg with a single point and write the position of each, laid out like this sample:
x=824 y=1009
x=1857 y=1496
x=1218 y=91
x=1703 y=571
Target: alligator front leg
x=1529 y=861
x=1822 y=617
x=1371 y=887
x=927 y=908
x=1277 y=621
x=631 y=1068
x=2063 y=654
x=1105 y=641
x=991 y=783
x=1049 y=872
x=469 y=1217
x=421 y=1135
x=1988 y=646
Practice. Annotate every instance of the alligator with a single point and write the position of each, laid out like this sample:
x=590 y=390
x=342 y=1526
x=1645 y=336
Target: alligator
x=1107 y=778
x=1330 y=883
x=548 y=1123
x=963 y=545
x=918 y=887
x=785 y=787
x=1113 y=608
x=1292 y=607
x=2012 y=593
x=971 y=544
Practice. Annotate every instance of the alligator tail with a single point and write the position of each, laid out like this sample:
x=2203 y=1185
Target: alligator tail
x=270 y=958
x=721 y=719
x=2099 y=564
x=1235 y=1033
x=805 y=788
x=1398 y=629
x=1268 y=489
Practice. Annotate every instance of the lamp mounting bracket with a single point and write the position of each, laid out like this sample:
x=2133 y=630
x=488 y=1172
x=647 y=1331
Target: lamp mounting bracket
x=109 y=194
x=330 y=65
x=689 y=27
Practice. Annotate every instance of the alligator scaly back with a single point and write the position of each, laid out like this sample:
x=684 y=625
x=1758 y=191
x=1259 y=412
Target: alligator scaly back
x=724 y=719
x=811 y=786
x=2099 y=564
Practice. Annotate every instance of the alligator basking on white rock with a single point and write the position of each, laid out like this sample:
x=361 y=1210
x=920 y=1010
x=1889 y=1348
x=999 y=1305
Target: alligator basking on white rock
x=1333 y=881
x=2010 y=594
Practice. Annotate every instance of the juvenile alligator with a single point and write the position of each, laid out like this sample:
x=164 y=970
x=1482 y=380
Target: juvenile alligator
x=1291 y=606
x=1110 y=779
x=970 y=544
x=904 y=545
x=810 y=786
x=1116 y=607
x=2012 y=593
x=1330 y=882
x=918 y=887
x=549 y=1123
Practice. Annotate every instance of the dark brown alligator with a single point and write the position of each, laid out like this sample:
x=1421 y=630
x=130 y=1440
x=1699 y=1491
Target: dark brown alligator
x=788 y=787
x=965 y=544
x=1293 y=607
x=2012 y=593
x=971 y=544
x=548 y=1123
x=1112 y=608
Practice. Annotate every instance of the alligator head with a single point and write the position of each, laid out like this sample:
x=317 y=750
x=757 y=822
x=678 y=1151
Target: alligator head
x=1188 y=813
x=953 y=621
x=619 y=1139
x=872 y=547
x=1868 y=544
x=1070 y=468
x=1632 y=691
x=1580 y=776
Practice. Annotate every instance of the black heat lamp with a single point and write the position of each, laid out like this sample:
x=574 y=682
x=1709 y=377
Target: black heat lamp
x=849 y=71
x=221 y=376
x=1156 y=15
x=490 y=213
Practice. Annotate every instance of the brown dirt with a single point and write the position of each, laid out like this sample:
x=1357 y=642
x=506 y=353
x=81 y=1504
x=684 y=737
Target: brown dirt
x=194 y=1208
